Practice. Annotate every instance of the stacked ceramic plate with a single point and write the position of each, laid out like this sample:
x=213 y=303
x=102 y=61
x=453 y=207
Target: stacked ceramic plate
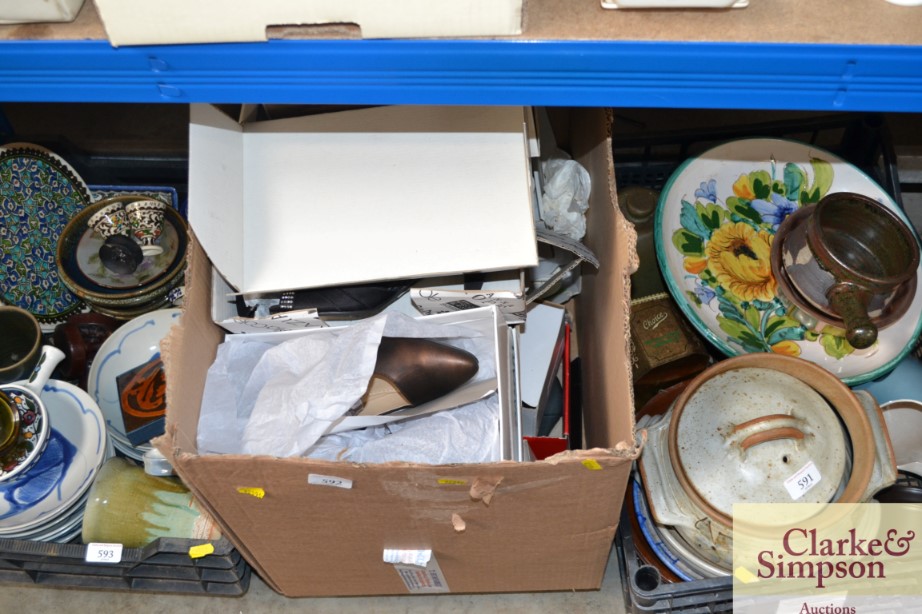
x=125 y=381
x=663 y=546
x=122 y=292
x=47 y=502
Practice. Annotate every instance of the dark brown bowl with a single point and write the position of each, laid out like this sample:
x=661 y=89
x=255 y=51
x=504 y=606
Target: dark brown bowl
x=882 y=316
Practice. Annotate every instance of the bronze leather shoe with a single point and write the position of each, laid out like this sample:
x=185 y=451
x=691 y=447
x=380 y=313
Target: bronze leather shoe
x=413 y=371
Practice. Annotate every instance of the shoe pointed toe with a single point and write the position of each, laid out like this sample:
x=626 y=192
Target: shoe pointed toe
x=422 y=370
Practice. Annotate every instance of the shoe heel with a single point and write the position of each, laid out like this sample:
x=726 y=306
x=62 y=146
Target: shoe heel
x=382 y=397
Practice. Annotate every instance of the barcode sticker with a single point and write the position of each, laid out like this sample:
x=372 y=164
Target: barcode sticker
x=419 y=558
x=801 y=482
x=328 y=480
x=103 y=553
x=427 y=578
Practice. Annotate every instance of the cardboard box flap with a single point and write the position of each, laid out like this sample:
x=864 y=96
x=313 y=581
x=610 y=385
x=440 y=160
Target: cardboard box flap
x=604 y=334
x=222 y=227
x=194 y=339
x=329 y=540
x=361 y=195
x=210 y=21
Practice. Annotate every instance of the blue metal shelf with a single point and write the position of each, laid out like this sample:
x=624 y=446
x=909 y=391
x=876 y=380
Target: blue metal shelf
x=776 y=76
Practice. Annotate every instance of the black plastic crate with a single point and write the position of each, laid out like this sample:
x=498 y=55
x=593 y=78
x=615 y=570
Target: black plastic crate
x=110 y=144
x=649 y=157
x=163 y=566
x=646 y=592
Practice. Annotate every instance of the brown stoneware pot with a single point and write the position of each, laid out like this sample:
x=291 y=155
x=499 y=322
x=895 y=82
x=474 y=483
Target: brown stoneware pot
x=851 y=257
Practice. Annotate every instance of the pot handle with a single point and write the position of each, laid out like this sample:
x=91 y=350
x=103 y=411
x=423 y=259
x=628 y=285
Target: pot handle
x=851 y=303
x=50 y=358
x=766 y=428
x=784 y=432
x=885 y=472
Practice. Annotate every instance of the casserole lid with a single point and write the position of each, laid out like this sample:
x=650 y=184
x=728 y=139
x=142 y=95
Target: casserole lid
x=756 y=435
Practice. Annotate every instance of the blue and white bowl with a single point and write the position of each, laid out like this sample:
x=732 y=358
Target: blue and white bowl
x=56 y=484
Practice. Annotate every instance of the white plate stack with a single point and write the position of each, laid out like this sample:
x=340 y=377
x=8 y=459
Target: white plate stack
x=135 y=343
x=46 y=502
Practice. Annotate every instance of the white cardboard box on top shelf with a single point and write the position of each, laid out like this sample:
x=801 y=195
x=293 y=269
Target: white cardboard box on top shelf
x=496 y=527
x=40 y=11
x=136 y=22
x=675 y=4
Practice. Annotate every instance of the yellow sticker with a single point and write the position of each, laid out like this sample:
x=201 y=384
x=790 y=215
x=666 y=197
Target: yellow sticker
x=744 y=575
x=451 y=482
x=259 y=493
x=197 y=552
x=592 y=464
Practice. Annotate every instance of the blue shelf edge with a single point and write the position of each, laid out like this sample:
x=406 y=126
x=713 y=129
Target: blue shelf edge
x=778 y=76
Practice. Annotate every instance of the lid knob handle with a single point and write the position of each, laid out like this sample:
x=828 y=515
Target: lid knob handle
x=771 y=427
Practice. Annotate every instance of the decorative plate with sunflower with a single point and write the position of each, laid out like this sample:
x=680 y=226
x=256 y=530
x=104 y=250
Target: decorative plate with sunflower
x=715 y=223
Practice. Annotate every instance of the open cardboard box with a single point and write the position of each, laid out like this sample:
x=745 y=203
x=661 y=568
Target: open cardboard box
x=318 y=528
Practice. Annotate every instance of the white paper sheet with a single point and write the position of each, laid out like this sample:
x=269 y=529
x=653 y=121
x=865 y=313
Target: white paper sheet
x=280 y=399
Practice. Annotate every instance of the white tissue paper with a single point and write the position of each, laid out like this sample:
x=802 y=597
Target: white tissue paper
x=466 y=434
x=279 y=399
x=565 y=198
x=226 y=411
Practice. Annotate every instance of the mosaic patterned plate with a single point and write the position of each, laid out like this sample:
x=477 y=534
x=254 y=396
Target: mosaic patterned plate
x=39 y=194
x=715 y=223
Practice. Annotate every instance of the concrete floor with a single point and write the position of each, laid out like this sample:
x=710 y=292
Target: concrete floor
x=261 y=599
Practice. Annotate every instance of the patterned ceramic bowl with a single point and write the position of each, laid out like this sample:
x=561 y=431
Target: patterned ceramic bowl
x=146 y=220
x=9 y=423
x=31 y=436
x=82 y=270
x=109 y=220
